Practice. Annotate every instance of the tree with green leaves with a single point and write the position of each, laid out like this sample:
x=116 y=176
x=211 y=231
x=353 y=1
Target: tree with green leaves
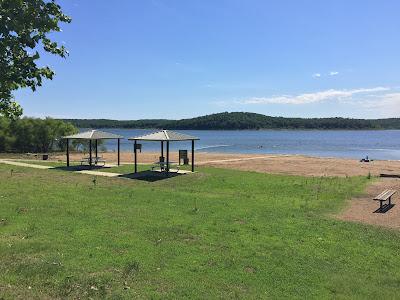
x=33 y=135
x=25 y=26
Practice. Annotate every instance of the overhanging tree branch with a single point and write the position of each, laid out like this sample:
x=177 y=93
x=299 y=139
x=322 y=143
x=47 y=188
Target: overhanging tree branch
x=24 y=27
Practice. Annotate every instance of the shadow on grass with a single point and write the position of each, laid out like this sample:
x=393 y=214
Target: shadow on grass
x=150 y=176
x=80 y=168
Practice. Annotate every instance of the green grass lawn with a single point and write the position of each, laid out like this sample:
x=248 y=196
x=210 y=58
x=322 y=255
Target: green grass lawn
x=214 y=234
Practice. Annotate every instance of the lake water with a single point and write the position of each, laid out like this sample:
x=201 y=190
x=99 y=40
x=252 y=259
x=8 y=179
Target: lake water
x=383 y=144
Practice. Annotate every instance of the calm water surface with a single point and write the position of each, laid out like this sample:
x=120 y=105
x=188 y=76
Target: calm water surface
x=383 y=144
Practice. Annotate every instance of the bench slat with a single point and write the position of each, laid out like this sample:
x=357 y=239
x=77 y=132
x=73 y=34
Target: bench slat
x=383 y=194
x=386 y=194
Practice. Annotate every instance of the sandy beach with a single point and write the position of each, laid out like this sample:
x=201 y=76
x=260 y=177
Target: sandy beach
x=362 y=209
x=359 y=209
x=274 y=164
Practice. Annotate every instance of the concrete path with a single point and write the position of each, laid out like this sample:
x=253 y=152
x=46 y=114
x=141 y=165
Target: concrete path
x=173 y=171
x=87 y=172
x=98 y=173
x=34 y=166
x=21 y=164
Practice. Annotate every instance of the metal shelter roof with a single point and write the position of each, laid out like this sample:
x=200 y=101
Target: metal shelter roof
x=165 y=135
x=94 y=135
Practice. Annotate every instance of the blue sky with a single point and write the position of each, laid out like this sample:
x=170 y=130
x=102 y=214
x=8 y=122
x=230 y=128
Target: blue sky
x=177 y=59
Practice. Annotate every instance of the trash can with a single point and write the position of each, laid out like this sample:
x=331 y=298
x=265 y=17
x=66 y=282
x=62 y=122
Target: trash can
x=45 y=156
x=183 y=156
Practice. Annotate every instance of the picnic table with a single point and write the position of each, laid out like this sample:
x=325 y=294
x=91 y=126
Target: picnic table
x=386 y=195
x=95 y=161
x=164 y=166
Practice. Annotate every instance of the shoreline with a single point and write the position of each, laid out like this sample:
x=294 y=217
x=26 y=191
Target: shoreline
x=284 y=164
x=58 y=155
x=300 y=165
x=236 y=154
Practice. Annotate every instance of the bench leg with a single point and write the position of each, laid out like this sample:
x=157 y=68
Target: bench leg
x=381 y=206
x=390 y=203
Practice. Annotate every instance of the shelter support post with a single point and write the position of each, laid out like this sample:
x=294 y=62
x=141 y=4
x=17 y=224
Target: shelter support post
x=167 y=156
x=96 y=150
x=192 y=155
x=90 y=152
x=67 y=152
x=135 y=150
x=162 y=149
x=119 y=147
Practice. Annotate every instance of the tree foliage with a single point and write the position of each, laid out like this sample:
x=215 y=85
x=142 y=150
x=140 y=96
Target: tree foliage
x=24 y=29
x=33 y=135
x=241 y=120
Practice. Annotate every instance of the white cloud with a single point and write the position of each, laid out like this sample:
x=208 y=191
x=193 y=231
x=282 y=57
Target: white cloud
x=333 y=73
x=316 y=75
x=307 y=98
x=386 y=104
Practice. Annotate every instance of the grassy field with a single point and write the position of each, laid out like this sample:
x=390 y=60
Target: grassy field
x=214 y=234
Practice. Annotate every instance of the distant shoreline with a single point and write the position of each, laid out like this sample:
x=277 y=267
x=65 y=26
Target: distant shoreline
x=242 y=121
x=262 y=129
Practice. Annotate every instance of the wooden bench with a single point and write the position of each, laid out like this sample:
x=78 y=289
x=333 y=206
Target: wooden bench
x=386 y=195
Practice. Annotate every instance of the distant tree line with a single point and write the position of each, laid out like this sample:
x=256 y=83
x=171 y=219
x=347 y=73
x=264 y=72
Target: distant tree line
x=240 y=121
x=33 y=135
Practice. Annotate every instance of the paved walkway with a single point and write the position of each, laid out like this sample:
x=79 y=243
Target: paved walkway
x=35 y=166
x=21 y=164
x=98 y=173
x=87 y=172
x=173 y=171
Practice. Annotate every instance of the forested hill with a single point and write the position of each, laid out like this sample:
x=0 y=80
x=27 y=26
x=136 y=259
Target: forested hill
x=241 y=120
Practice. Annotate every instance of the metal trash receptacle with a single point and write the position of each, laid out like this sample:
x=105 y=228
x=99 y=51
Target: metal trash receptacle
x=183 y=156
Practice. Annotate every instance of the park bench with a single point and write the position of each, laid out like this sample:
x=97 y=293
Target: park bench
x=386 y=195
